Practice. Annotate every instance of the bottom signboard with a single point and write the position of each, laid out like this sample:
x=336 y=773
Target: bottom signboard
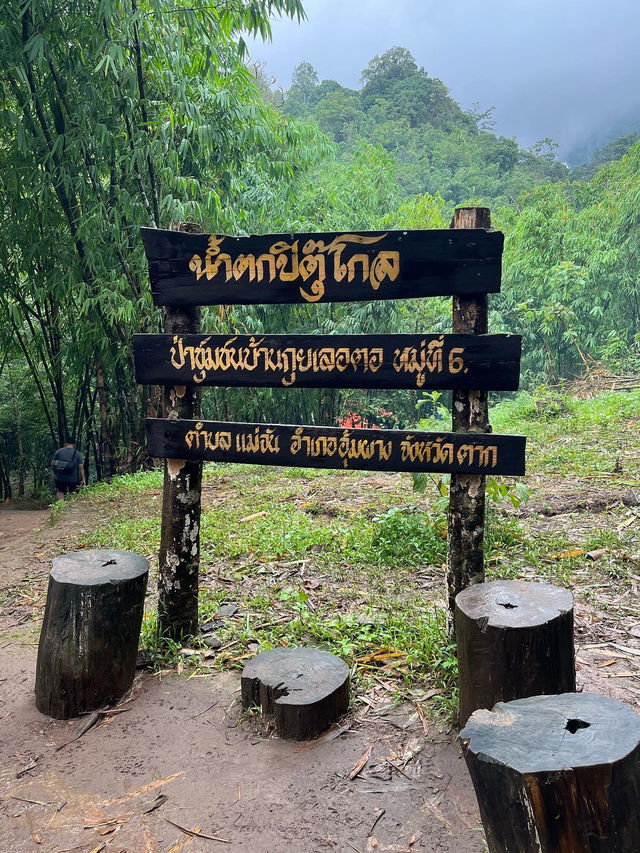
x=335 y=447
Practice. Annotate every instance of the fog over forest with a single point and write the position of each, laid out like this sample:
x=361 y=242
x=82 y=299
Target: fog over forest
x=567 y=70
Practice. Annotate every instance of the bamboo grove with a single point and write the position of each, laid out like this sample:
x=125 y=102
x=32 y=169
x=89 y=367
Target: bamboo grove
x=119 y=115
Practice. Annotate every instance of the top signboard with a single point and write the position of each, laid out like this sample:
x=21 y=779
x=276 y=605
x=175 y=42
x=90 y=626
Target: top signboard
x=209 y=269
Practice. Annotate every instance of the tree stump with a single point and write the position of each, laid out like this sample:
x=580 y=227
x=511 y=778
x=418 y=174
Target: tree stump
x=89 y=639
x=515 y=639
x=557 y=774
x=305 y=688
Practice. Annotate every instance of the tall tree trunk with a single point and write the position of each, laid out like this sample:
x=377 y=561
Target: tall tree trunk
x=17 y=423
x=108 y=465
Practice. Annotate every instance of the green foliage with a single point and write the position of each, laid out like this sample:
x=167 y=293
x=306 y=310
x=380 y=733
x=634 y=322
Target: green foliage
x=569 y=435
x=437 y=147
x=116 y=116
x=571 y=271
x=613 y=150
x=407 y=535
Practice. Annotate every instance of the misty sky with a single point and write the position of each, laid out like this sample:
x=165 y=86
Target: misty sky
x=558 y=68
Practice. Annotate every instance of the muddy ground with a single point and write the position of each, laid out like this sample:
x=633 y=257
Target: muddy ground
x=180 y=758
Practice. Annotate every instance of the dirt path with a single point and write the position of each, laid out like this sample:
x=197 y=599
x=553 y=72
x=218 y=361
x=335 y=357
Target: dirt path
x=182 y=746
x=181 y=754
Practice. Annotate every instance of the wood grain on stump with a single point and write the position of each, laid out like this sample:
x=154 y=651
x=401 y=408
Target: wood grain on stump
x=89 y=638
x=305 y=688
x=515 y=639
x=557 y=774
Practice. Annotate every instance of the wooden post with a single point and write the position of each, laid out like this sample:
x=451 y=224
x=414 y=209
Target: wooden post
x=90 y=632
x=179 y=556
x=557 y=774
x=515 y=639
x=469 y=413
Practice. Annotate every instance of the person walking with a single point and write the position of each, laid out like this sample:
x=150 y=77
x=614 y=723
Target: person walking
x=68 y=469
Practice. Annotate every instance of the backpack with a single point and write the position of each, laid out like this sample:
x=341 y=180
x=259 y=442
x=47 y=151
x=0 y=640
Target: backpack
x=65 y=465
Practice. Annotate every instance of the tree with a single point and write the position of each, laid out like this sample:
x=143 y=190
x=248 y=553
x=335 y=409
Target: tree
x=607 y=154
x=302 y=92
x=395 y=64
x=571 y=272
x=116 y=115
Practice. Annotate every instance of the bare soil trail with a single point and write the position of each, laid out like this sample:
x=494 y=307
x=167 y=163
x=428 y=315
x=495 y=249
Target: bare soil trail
x=181 y=756
x=180 y=767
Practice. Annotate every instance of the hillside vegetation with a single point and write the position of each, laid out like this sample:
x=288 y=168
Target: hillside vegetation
x=158 y=119
x=437 y=146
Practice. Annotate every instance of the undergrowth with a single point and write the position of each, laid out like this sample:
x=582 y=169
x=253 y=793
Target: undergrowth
x=354 y=563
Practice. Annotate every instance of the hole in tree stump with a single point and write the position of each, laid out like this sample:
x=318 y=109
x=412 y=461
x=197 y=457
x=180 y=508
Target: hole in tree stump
x=515 y=639
x=567 y=793
x=573 y=725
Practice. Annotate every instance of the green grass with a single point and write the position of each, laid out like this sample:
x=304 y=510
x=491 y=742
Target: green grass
x=570 y=436
x=334 y=560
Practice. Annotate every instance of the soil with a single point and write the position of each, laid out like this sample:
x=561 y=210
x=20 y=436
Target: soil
x=178 y=757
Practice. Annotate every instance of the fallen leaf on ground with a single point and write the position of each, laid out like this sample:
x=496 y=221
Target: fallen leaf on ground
x=595 y=555
x=423 y=719
x=626 y=649
x=564 y=555
x=145 y=788
x=361 y=763
x=182 y=842
x=197 y=832
x=252 y=517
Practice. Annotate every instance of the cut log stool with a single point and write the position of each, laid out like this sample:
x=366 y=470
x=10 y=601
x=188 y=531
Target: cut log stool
x=557 y=774
x=306 y=689
x=89 y=639
x=515 y=639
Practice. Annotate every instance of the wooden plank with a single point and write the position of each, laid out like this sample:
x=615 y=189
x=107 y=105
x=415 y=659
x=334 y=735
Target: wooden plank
x=209 y=269
x=330 y=361
x=334 y=447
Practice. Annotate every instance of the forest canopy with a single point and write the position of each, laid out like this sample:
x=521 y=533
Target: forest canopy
x=146 y=113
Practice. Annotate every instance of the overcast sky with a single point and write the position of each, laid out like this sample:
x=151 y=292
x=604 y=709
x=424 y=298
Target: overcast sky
x=558 y=68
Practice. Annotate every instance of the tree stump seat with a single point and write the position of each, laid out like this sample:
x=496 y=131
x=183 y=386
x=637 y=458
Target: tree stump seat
x=557 y=774
x=515 y=639
x=306 y=689
x=89 y=639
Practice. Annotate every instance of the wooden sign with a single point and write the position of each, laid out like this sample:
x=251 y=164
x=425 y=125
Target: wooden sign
x=333 y=447
x=209 y=269
x=330 y=361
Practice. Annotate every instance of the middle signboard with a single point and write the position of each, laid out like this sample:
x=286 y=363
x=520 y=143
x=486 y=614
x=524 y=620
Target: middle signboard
x=331 y=361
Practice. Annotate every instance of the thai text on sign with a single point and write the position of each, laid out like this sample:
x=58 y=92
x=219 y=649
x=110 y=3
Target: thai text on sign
x=367 y=361
x=214 y=269
x=331 y=447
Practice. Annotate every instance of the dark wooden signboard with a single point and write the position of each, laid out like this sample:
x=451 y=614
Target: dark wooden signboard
x=479 y=362
x=209 y=269
x=333 y=447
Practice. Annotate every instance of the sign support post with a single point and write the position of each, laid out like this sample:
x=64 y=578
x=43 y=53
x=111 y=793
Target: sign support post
x=469 y=413
x=179 y=555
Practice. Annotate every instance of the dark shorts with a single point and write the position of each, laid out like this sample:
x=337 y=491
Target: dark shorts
x=66 y=488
